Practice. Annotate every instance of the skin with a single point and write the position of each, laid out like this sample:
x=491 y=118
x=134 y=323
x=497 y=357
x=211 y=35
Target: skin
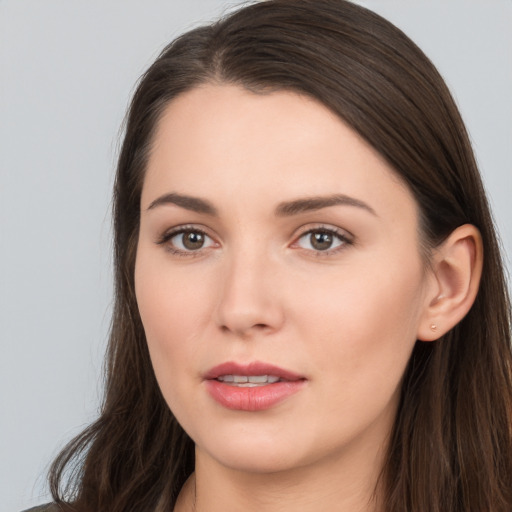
x=346 y=319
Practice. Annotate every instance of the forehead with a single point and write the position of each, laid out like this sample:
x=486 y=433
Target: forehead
x=229 y=144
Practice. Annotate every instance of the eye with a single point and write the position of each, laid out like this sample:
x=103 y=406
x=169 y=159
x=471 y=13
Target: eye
x=186 y=240
x=322 y=240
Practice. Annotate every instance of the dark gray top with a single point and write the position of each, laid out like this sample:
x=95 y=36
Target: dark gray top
x=49 y=507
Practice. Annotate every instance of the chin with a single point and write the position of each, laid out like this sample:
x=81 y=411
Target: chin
x=257 y=462
x=252 y=454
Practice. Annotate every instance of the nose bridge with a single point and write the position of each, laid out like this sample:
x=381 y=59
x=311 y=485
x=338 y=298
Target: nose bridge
x=248 y=298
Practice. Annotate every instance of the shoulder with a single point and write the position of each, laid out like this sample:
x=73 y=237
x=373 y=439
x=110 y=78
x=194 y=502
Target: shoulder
x=49 y=507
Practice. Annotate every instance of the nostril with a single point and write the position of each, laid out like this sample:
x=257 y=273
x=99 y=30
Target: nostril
x=245 y=332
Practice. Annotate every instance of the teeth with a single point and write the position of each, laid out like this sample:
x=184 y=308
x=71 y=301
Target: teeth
x=248 y=381
x=258 y=379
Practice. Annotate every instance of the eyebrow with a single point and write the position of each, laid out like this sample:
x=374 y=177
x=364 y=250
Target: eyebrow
x=318 y=202
x=285 y=209
x=194 y=204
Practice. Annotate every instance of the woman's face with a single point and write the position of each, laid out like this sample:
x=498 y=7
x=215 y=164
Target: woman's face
x=275 y=241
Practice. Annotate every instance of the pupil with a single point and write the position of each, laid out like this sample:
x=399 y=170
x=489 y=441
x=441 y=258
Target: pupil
x=193 y=240
x=321 y=241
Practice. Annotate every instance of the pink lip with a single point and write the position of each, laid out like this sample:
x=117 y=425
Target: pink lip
x=252 y=398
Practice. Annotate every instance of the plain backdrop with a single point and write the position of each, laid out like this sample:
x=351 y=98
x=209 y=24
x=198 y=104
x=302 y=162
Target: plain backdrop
x=67 y=69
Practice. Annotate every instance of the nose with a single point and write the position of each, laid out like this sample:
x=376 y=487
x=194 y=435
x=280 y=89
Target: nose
x=249 y=299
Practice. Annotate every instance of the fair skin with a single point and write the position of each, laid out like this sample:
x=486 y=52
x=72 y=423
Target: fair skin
x=335 y=291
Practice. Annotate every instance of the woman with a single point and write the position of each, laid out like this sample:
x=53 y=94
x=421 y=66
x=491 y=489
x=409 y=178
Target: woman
x=311 y=311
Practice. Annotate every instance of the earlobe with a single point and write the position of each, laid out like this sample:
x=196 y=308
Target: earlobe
x=456 y=271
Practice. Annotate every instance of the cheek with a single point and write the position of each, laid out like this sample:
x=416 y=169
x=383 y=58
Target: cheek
x=364 y=327
x=173 y=302
x=360 y=297
x=175 y=314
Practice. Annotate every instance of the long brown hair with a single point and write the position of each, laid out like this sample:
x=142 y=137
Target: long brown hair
x=451 y=446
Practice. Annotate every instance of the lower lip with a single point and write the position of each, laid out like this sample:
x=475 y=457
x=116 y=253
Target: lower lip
x=256 y=398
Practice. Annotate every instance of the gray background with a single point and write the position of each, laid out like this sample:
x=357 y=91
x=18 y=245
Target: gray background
x=67 y=69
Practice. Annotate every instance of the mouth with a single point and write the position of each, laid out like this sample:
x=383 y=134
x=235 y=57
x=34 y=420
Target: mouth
x=252 y=387
x=249 y=381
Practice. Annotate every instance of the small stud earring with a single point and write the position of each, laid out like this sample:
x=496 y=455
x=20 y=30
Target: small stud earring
x=433 y=327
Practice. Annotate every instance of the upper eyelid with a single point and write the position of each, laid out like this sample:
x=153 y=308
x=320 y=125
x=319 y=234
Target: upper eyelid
x=183 y=228
x=304 y=230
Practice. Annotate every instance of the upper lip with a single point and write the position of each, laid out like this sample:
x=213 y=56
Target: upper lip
x=253 y=368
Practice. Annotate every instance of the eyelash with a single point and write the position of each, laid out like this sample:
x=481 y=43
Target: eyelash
x=341 y=236
x=344 y=239
x=169 y=235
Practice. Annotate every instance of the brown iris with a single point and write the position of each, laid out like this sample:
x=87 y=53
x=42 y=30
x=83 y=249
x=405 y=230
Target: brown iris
x=193 y=240
x=321 y=240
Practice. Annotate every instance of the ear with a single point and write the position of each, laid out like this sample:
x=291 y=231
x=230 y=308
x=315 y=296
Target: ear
x=453 y=283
